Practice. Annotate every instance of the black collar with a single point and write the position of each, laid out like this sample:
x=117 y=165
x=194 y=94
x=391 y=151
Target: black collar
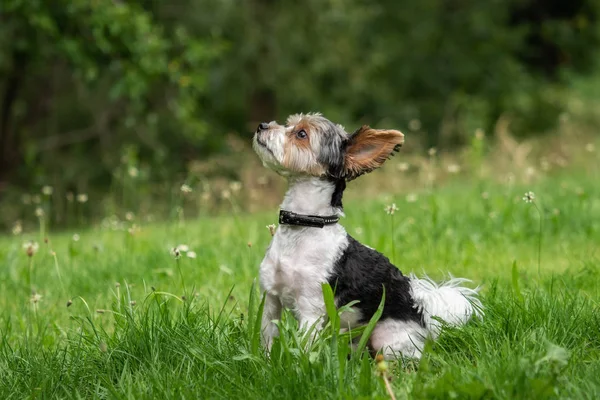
x=316 y=221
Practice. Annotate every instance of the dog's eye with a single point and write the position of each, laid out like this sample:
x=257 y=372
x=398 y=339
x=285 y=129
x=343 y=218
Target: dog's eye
x=301 y=134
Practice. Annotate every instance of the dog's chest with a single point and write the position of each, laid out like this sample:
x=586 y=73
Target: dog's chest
x=299 y=260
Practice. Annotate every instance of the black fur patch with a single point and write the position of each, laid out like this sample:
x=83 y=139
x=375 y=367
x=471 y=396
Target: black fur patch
x=338 y=193
x=361 y=273
x=332 y=150
x=333 y=145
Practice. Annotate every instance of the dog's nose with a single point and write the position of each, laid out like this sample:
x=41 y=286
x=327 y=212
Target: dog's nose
x=263 y=126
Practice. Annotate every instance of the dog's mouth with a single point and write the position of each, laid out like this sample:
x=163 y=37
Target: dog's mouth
x=263 y=145
x=260 y=142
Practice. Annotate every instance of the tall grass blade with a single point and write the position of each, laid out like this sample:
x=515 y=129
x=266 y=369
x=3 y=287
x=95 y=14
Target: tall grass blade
x=515 y=282
x=371 y=325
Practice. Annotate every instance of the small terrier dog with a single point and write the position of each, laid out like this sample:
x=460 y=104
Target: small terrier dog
x=310 y=247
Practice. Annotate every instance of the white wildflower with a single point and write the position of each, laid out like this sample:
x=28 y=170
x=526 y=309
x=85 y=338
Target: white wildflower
x=35 y=298
x=39 y=212
x=391 y=209
x=31 y=248
x=17 y=228
x=47 y=190
x=183 y=247
x=529 y=197
x=235 y=186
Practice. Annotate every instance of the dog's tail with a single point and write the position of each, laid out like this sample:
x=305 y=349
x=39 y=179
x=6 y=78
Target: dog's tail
x=449 y=301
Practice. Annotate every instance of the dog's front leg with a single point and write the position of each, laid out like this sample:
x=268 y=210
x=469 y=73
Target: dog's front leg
x=310 y=312
x=271 y=311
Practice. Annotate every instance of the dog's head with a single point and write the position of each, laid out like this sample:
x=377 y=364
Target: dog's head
x=311 y=145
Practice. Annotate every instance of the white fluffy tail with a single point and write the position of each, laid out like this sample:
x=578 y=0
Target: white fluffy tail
x=449 y=301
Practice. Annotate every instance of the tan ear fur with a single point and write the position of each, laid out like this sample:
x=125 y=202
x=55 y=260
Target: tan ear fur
x=369 y=148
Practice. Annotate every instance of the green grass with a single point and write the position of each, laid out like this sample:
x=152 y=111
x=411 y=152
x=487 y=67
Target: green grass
x=540 y=337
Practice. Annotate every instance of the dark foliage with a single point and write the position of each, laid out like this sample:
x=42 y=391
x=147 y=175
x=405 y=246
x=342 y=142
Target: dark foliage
x=89 y=87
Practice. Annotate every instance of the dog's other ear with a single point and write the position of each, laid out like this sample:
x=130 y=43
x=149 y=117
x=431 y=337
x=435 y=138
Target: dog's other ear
x=368 y=149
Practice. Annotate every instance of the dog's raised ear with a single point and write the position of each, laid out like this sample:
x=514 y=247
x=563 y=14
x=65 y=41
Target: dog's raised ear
x=368 y=149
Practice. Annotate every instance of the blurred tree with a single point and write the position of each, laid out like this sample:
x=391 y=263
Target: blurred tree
x=453 y=66
x=90 y=86
x=90 y=77
x=560 y=34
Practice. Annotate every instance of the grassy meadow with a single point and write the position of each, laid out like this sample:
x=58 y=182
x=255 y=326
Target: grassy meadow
x=110 y=312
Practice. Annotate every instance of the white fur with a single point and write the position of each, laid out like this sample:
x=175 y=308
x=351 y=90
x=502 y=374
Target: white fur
x=448 y=301
x=350 y=319
x=395 y=338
